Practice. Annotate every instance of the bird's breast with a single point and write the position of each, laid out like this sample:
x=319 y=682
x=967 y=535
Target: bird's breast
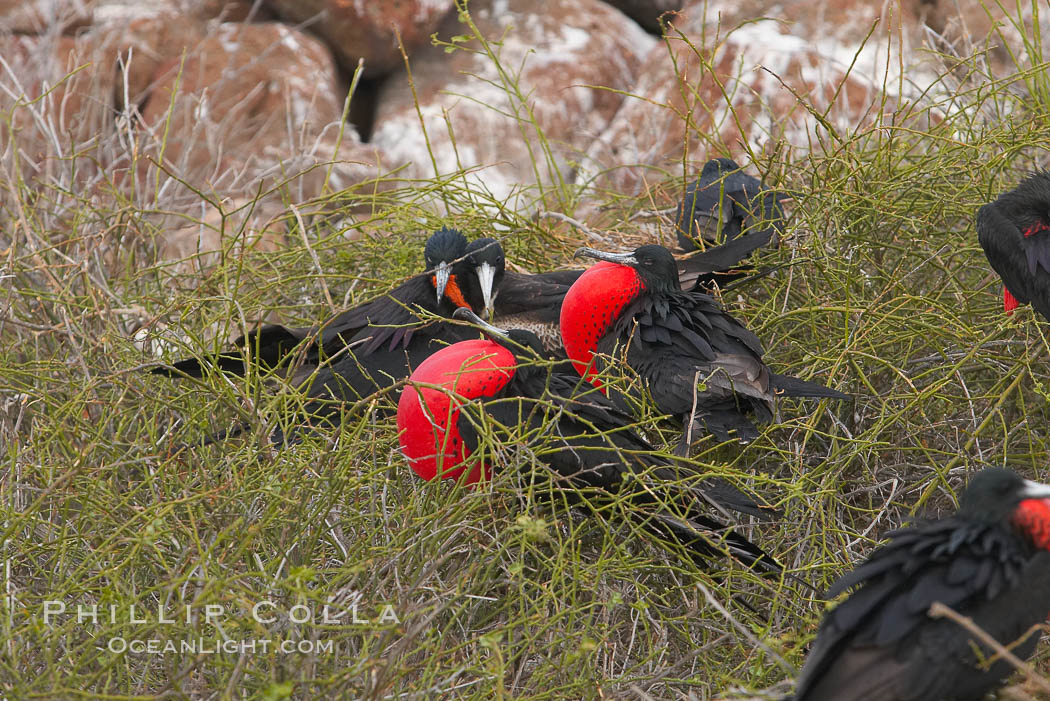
x=428 y=410
x=591 y=306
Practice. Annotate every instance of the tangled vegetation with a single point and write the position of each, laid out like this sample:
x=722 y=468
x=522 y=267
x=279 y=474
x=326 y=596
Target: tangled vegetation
x=879 y=289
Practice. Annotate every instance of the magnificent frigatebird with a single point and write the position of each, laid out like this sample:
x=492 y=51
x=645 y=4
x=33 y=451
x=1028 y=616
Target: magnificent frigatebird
x=594 y=447
x=723 y=202
x=366 y=349
x=990 y=562
x=1014 y=232
x=388 y=323
x=516 y=300
x=697 y=362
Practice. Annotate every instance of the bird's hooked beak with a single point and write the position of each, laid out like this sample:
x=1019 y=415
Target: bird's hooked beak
x=442 y=273
x=465 y=314
x=487 y=278
x=1035 y=490
x=619 y=258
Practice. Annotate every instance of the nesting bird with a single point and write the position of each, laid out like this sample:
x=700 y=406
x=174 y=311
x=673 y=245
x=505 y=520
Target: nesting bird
x=989 y=562
x=697 y=362
x=722 y=203
x=448 y=396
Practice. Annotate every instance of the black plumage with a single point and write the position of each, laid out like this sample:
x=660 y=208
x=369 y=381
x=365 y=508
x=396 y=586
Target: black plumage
x=988 y=562
x=1014 y=232
x=532 y=301
x=722 y=203
x=364 y=350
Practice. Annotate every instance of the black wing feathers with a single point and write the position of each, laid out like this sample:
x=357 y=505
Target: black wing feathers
x=1016 y=258
x=616 y=459
x=960 y=563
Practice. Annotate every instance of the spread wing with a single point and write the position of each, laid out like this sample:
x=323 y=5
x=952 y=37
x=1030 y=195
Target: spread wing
x=385 y=323
x=720 y=263
x=540 y=295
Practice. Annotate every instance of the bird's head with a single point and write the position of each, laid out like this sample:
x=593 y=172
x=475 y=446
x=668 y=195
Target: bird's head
x=998 y=495
x=718 y=168
x=654 y=265
x=1027 y=206
x=524 y=344
x=487 y=265
x=442 y=255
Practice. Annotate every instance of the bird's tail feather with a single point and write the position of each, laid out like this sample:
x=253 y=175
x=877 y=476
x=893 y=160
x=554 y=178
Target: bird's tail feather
x=794 y=387
x=702 y=536
x=272 y=345
x=707 y=538
x=230 y=364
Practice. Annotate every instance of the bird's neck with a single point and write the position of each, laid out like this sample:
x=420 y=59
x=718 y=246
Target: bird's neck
x=453 y=297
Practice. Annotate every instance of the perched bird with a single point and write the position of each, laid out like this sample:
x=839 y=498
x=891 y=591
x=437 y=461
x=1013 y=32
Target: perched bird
x=594 y=448
x=697 y=362
x=990 y=562
x=722 y=203
x=386 y=324
x=486 y=258
x=1014 y=232
x=364 y=350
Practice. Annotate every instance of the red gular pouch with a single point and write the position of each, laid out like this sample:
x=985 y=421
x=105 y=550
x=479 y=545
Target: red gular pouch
x=1032 y=516
x=429 y=407
x=1010 y=302
x=591 y=307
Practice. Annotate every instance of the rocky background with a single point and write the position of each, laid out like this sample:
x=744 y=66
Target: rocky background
x=220 y=114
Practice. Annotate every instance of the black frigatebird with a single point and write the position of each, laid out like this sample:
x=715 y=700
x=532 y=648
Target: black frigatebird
x=1014 y=232
x=722 y=203
x=676 y=341
x=594 y=447
x=366 y=349
x=989 y=562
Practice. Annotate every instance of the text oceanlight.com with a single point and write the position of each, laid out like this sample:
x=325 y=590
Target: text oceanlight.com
x=202 y=646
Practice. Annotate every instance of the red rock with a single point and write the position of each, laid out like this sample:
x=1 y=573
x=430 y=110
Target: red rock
x=251 y=101
x=728 y=94
x=256 y=112
x=40 y=16
x=741 y=98
x=356 y=29
x=561 y=48
x=178 y=11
